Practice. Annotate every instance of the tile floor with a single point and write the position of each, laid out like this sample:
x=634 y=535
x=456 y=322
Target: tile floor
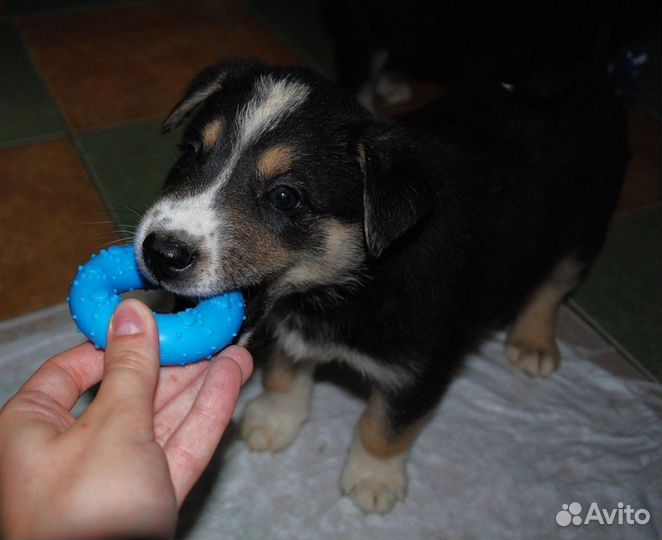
x=86 y=83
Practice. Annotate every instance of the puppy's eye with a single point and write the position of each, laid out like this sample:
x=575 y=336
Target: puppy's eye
x=188 y=154
x=284 y=198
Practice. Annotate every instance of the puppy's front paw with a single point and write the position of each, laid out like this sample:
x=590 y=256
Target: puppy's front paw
x=393 y=91
x=536 y=359
x=375 y=485
x=272 y=421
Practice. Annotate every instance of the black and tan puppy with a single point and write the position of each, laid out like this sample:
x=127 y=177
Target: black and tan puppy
x=389 y=246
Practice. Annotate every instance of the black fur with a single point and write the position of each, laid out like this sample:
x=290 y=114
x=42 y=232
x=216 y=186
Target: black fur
x=474 y=200
x=541 y=47
x=467 y=206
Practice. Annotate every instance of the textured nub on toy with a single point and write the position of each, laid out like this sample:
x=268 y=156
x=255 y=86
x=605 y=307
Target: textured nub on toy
x=191 y=335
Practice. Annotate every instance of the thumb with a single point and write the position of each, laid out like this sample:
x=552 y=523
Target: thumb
x=131 y=368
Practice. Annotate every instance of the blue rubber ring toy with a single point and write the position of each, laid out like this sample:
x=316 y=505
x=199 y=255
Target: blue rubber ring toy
x=185 y=337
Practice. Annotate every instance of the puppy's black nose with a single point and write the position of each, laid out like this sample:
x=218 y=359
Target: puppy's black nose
x=166 y=257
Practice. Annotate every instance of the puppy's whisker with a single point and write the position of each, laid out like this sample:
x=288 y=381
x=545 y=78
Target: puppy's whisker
x=116 y=242
x=139 y=215
x=126 y=238
x=107 y=222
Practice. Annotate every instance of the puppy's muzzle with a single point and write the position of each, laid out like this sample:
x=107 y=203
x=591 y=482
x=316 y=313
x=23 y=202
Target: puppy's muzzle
x=168 y=257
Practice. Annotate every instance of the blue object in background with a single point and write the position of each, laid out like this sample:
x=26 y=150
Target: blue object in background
x=626 y=68
x=189 y=336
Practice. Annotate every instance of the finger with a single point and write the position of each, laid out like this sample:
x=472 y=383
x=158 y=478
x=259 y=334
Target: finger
x=170 y=416
x=173 y=380
x=193 y=443
x=41 y=408
x=131 y=368
x=65 y=377
x=242 y=357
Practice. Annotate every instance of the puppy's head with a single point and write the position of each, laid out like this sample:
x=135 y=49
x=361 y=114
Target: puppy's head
x=283 y=180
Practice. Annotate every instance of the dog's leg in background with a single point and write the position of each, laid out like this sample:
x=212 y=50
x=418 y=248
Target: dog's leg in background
x=374 y=476
x=366 y=93
x=383 y=84
x=273 y=419
x=531 y=344
x=392 y=90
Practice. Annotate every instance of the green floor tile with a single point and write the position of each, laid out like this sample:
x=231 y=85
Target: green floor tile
x=129 y=165
x=297 y=23
x=27 y=111
x=622 y=294
x=651 y=74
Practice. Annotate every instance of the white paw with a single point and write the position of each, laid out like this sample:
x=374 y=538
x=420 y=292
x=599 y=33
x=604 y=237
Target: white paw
x=391 y=91
x=366 y=98
x=272 y=421
x=534 y=359
x=375 y=485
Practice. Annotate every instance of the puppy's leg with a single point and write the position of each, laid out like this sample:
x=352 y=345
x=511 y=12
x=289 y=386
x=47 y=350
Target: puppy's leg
x=531 y=344
x=392 y=90
x=272 y=420
x=374 y=476
x=366 y=95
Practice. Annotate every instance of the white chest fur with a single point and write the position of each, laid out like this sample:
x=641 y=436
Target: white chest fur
x=299 y=349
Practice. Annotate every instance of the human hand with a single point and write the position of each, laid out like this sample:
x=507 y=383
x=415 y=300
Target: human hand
x=124 y=467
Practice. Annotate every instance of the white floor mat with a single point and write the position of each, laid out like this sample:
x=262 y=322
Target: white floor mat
x=501 y=456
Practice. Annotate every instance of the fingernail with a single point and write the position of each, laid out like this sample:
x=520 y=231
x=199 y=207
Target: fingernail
x=127 y=320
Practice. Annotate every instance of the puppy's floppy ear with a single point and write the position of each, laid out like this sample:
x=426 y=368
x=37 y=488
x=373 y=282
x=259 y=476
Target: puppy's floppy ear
x=206 y=83
x=398 y=189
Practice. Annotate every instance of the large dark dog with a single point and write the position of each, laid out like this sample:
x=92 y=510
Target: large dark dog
x=390 y=246
x=538 y=47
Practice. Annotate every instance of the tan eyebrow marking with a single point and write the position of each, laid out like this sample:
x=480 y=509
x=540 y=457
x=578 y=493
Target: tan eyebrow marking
x=275 y=161
x=211 y=133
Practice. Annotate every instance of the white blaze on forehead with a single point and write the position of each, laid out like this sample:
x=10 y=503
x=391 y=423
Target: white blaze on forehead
x=272 y=101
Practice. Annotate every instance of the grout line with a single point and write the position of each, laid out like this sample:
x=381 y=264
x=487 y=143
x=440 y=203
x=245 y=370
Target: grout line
x=69 y=132
x=34 y=139
x=263 y=21
x=97 y=185
x=595 y=325
x=134 y=122
x=650 y=111
x=35 y=66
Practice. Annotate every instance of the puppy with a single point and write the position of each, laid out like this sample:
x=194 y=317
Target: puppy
x=392 y=247
x=543 y=46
